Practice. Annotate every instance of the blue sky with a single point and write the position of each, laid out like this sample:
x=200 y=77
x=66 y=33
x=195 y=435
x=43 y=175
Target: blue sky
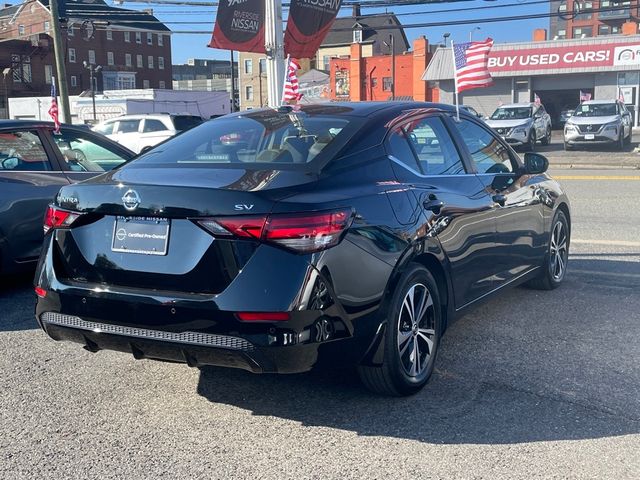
x=194 y=46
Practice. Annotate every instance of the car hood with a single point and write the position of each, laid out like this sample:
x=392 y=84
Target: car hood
x=591 y=120
x=507 y=123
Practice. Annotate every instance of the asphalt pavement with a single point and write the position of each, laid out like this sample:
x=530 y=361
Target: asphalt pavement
x=530 y=385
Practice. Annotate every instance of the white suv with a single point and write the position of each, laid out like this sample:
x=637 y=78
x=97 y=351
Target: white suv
x=142 y=132
x=522 y=124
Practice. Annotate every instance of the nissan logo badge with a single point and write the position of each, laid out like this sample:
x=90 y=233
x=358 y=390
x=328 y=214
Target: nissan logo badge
x=131 y=200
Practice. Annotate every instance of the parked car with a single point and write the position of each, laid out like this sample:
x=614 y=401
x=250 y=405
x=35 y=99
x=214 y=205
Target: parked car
x=598 y=122
x=522 y=124
x=142 y=132
x=34 y=164
x=565 y=114
x=349 y=232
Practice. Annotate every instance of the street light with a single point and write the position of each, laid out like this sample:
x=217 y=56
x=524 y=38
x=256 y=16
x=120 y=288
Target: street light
x=445 y=37
x=92 y=71
x=391 y=46
x=471 y=33
x=6 y=72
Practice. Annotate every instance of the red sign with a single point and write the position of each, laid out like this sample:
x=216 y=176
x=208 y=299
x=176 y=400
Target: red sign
x=308 y=24
x=239 y=26
x=578 y=56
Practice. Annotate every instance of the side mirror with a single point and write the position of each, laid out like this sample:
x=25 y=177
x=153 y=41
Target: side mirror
x=534 y=163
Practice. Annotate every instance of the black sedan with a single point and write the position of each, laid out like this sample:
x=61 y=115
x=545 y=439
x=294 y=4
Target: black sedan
x=34 y=164
x=273 y=240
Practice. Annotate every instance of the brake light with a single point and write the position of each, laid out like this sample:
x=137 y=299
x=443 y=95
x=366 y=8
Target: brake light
x=301 y=232
x=40 y=292
x=263 y=316
x=57 y=218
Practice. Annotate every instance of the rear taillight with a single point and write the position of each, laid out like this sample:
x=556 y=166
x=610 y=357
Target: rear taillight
x=263 y=316
x=57 y=218
x=302 y=232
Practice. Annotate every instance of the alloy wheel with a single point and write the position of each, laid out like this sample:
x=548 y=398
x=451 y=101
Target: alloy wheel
x=558 y=251
x=416 y=330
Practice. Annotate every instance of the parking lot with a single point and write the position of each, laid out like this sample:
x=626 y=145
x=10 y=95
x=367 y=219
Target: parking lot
x=530 y=385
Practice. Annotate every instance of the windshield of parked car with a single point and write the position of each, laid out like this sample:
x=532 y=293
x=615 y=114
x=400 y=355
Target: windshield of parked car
x=596 y=110
x=511 y=113
x=185 y=122
x=261 y=138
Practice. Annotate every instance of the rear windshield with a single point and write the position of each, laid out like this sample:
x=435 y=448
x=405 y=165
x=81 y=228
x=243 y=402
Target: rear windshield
x=511 y=113
x=185 y=122
x=596 y=110
x=261 y=139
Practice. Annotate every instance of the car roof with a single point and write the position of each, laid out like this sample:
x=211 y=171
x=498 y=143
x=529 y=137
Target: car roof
x=600 y=102
x=518 y=105
x=37 y=124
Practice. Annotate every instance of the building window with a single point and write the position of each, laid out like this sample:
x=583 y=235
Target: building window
x=582 y=32
x=110 y=58
x=127 y=37
x=72 y=55
x=374 y=82
x=149 y=38
x=160 y=40
x=386 y=83
x=21 y=68
x=127 y=59
x=47 y=26
x=145 y=84
x=150 y=61
x=562 y=33
x=357 y=35
x=48 y=73
x=326 y=61
x=92 y=57
x=139 y=61
x=74 y=81
x=248 y=93
x=161 y=63
x=262 y=64
x=248 y=66
x=70 y=31
x=162 y=84
x=138 y=37
x=21 y=30
x=109 y=34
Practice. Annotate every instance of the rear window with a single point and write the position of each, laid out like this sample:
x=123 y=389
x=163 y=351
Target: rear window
x=185 y=122
x=260 y=138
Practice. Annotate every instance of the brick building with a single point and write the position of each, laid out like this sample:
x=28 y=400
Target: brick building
x=133 y=48
x=360 y=78
x=593 y=18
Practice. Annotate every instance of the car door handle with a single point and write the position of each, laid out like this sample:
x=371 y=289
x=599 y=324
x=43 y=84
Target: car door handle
x=433 y=204
x=499 y=199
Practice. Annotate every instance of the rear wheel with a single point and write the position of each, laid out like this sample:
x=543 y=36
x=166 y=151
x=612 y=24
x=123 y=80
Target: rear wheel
x=620 y=142
x=547 y=137
x=412 y=336
x=555 y=262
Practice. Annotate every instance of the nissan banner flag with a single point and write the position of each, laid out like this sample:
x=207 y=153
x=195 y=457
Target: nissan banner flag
x=239 y=26
x=308 y=24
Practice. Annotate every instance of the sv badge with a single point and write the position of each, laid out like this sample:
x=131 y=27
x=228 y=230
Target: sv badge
x=242 y=206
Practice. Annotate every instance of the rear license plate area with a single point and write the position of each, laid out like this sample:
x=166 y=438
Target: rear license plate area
x=141 y=235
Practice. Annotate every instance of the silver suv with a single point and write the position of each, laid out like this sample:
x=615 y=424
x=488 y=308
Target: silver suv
x=599 y=122
x=522 y=124
x=141 y=132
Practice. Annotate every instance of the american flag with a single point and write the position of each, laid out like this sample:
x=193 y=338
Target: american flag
x=621 y=95
x=53 y=109
x=291 y=87
x=471 y=68
x=536 y=99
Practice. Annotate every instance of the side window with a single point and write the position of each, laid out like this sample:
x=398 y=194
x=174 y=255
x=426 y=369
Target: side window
x=398 y=146
x=488 y=154
x=128 y=126
x=83 y=154
x=23 y=151
x=105 y=128
x=151 y=125
x=436 y=151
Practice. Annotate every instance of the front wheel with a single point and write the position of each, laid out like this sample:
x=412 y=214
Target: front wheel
x=547 y=137
x=531 y=145
x=554 y=267
x=628 y=140
x=620 y=142
x=412 y=336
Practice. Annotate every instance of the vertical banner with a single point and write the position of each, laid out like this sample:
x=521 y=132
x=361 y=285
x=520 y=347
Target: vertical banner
x=239 y=26
x=308 y=24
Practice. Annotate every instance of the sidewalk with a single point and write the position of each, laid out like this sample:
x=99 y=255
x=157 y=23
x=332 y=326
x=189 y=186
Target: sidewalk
x=594 y=157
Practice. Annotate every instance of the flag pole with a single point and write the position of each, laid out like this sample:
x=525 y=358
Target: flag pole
x=455 y=80
x=286 y=76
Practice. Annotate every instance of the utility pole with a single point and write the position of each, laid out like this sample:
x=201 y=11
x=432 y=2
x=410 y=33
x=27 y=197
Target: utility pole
x=61 y=70
x=275 y=51
x=393 y=66
x=233 y=85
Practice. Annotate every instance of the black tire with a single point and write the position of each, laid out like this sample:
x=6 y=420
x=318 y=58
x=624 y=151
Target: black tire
x=568 y=147
x=620 y=142
x=531 y=144
x=547 y=138
x=628 y=140
x=550 y=277
x=399 y=375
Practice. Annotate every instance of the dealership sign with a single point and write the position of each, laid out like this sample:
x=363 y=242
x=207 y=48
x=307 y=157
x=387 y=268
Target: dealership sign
x=576 y=57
